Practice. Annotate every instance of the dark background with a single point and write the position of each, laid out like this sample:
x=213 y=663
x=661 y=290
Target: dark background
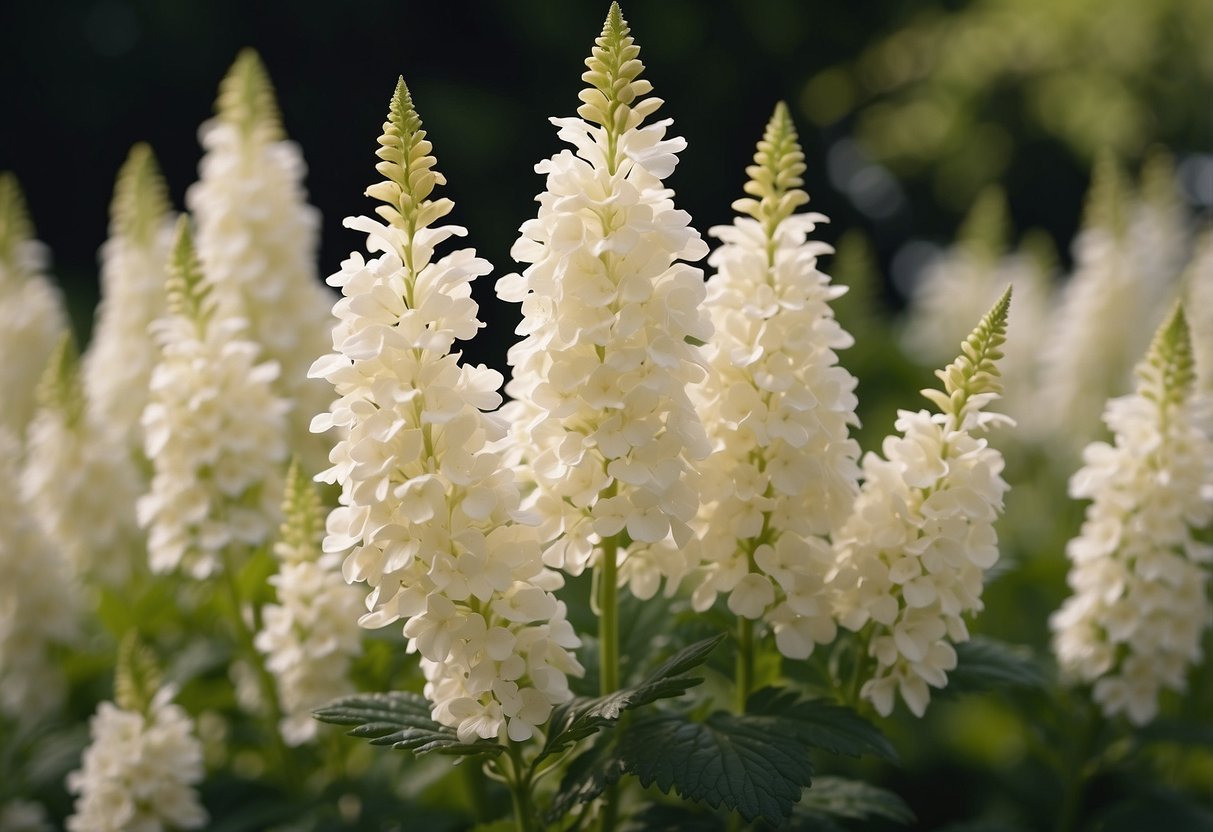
x=84 y=79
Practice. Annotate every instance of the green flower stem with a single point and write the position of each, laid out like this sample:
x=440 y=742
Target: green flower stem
x=518 y=778
x=608 y=652
x=745 y=661
x=269 y=690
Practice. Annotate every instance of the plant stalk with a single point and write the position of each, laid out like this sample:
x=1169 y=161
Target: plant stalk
x=608 y=654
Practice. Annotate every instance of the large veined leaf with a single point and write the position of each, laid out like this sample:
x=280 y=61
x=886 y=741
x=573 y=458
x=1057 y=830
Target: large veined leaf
x=399 y=719
x=821 y=723
x=747 y=763
x=988 y=664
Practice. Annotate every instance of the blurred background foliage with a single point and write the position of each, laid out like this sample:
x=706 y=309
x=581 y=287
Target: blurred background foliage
x=906 y=110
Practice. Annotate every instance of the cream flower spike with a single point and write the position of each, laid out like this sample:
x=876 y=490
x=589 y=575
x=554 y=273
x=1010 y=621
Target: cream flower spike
x=311 y=634
x=32 y=315
x=912 y=557
x=257 y=238
x=777 y=409
x=94 y=528
x=144 y=759
x=429 y=511
x=213 y=430
x=1140 y=567
x=600 y=414
x=134 y=270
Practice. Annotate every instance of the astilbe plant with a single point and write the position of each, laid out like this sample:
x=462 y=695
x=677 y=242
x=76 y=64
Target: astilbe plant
x=1139 y=569
x=778 y=410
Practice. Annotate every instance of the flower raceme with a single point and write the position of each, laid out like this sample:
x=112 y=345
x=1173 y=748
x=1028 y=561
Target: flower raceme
x=1139 y=572
x=257 y=239
x=600 y=412
x=777 y=408
x=310 y=635
x=913 y=553
x=213 y=429
x=429 y=510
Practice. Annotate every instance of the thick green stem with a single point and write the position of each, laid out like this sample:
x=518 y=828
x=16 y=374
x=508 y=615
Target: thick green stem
x=519 y=781
x=745 y=661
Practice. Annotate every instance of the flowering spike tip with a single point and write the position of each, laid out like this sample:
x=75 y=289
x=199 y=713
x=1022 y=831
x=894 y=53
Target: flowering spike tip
x=140 y=196
x=973 y=377
x=774 y=185
x=246 y=98
x=408 y=164
x=1168 y=373
x=137 y=677
x=15 y=226
x=188 y=293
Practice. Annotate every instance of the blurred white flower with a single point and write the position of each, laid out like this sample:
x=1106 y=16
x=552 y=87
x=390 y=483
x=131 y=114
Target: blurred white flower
x=601 y=419
x=429 y=511
x=311 y=634
x=777 y=408
x=1139 y=572
x=913 y=554
x=32 y=317
x=38 y=604
x=213 y=430
x=258 y=240
x=139 y=771
x=67 y=459
x=117 y=366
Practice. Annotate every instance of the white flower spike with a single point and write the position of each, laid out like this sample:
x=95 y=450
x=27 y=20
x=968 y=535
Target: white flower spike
x=777 y=408
x=258 y=239
x=1139 y=570
x=913 y=555
x=429 y=510
x=213 y=430
x=601 y=415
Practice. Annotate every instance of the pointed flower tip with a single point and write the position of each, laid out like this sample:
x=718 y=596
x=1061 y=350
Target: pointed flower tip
x=985 y=230
x=1170 y=360
x=137 y=677
x=1107 y=198
x=187 y=292
x=15 y=225
x=60 y=388
x=140 y=195
x=247 y=99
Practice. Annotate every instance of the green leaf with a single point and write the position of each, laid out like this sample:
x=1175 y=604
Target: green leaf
x=840 y=797
x=588 y=775
x=583 y=717
x=746 y=763
x=1160 y=811
x=985 y=664
x=402 y=720
x=821 y=723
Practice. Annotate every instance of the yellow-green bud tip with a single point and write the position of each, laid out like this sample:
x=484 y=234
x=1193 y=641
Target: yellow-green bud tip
x=1168 y=373
x=247 y=100
x=141 y=200
x=15 y=225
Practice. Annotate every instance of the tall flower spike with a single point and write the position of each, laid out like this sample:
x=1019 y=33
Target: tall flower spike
x=94 y=528
x=310 y=635
x=258 y=241
x=777 y=409
x=144 y=760
x=213 y=430
x=32 y=316
x=912 y=557
x=1102 y=324
x=600 y=413
x=1139 y=567
x=429 y=511
x=134 y=264
x=38 y=604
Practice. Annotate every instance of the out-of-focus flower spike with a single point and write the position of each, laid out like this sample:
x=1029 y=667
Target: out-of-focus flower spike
x=247 y=101
x=15 y=225
x=60 y=388
x=188 y=292
x=141 y=199
x=983 y=236
x=1107 y=203
x=137 y=677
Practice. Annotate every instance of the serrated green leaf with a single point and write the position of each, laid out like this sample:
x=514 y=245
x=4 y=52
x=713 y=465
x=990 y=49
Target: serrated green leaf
x=746 y=763
x=583 y=717
x=841 y=797
x=821 y=723
x=988 y=664
x=402 y=720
